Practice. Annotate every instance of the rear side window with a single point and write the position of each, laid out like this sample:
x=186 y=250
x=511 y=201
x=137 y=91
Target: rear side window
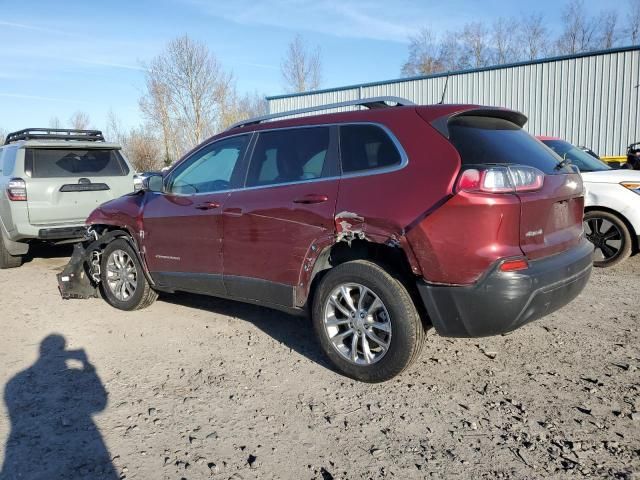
x=63 y=163
x=8 y=158
x=366 y=147
x=289 y=155
x=487 y=140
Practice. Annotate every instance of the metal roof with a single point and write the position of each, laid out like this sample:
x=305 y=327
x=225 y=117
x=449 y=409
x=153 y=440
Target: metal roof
x=459 y=72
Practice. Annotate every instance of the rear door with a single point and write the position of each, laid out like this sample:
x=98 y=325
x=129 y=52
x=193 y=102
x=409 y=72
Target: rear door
x=65 y=184
x=287 y=206
x=551 y=217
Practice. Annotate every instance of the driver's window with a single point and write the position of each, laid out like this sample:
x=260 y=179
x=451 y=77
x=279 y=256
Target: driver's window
x=210 y=169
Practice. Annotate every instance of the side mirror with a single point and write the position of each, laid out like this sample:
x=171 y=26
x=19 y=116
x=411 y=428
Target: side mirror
x=153 y=183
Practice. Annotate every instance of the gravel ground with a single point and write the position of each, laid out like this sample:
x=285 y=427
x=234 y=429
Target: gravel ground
x=196 y=388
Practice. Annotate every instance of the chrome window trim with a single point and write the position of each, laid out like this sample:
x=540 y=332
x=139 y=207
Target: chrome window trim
x=404 y=159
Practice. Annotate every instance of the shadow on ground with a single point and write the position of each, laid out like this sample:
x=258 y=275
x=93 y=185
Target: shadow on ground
x=295 y=332
x=50 y=407
x=47 y=250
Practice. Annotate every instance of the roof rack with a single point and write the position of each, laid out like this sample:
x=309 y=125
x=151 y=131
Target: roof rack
x=374 y=102
x=55 y=134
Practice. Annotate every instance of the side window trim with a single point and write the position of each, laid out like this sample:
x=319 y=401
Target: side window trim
x=236 y=175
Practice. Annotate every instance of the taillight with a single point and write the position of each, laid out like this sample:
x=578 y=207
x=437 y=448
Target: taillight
x=500 y=179
x=17 y=190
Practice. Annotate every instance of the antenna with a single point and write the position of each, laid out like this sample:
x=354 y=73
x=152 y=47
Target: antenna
x=444 y=90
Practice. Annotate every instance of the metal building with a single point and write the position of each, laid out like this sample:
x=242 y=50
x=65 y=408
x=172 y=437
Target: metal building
x=590 y=99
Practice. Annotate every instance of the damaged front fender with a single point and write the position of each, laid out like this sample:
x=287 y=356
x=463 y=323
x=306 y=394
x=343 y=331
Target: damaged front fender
x=81 y=276
x=75 y=280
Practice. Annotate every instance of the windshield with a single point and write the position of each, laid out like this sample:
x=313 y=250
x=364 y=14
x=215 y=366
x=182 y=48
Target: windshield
x=577 y=157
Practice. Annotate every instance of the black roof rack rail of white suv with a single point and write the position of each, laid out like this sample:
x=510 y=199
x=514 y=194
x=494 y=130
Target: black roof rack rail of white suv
x=374 y=102
x=55 y=134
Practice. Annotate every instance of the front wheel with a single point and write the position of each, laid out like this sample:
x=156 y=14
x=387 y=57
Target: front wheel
x=122 y=280
x=366 y=322
x=610 y=237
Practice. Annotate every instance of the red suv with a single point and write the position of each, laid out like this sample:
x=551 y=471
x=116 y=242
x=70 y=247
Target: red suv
x=380 y=222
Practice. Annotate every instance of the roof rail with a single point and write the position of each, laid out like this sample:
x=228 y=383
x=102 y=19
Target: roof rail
x=55 y=134
x=374 y=102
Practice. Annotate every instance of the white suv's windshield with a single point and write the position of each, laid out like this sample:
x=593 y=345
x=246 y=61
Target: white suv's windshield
x=577 y=157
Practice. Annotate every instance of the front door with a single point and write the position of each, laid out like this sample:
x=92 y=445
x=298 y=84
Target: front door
x=183 y=224
x=288 y=204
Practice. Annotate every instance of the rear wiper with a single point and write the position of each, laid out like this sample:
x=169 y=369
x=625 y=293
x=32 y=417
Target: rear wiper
x=565 y=161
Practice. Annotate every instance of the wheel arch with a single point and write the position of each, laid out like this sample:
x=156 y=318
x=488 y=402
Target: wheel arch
x=108 y=233
x=392 y=258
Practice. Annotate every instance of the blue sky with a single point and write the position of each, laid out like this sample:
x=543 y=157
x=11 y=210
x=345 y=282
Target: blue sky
x=57 y=57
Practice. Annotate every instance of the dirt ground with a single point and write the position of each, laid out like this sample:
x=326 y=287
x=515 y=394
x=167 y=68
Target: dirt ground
x=199 y=388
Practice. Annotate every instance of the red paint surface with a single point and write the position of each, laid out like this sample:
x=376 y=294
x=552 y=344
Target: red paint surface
x=448 y=238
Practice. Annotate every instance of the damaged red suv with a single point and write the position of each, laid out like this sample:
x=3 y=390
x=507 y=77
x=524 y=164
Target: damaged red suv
x=380 y=222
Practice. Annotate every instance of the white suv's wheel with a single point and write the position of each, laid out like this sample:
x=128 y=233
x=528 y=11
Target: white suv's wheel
x=610 y=237
x=6 y=259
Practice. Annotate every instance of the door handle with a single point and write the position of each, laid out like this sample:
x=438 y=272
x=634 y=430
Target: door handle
x=207 y=206
x=311 y=198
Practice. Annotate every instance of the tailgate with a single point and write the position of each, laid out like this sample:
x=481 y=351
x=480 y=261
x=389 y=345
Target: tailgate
x=65 y=184
x=551 y=218
x=71 y=200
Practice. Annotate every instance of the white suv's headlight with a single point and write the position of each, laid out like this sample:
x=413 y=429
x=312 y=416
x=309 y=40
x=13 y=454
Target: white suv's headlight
x=633 y=186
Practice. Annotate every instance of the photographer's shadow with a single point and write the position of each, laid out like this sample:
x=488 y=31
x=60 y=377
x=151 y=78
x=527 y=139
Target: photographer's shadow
x=50 y=406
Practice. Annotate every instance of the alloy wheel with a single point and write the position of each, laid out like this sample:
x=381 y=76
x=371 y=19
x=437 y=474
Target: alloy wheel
x=357 y=324
x=121 y=275
x=605 y=236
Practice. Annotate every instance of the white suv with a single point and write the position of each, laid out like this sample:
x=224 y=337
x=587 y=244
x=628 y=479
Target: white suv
x=612 y=204
x=50 y=180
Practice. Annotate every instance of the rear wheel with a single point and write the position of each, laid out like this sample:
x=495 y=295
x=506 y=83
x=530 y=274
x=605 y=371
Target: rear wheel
x=123 y=283
x=366 y=322
x=610 y=236
x=6 y=259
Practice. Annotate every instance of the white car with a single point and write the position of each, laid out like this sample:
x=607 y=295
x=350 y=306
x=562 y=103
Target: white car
x=612 y=204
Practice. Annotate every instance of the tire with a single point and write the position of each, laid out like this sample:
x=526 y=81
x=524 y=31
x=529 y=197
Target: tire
x=6 y=259
x=610 y=236
x=133 y=294
x=404 y=339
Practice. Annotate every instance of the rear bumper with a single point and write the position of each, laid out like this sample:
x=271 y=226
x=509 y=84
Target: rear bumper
x=503 y=301
x=62 y=233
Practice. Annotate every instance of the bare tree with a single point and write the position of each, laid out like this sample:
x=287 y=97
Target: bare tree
x=79 y=120
x=633 y=22
x=450 y=53
x=3 y=134
x=301 y=67
x=240 y=107
x=609 y=34
x=533 y=37
x=54 y=122
x=579 y=29
x=424 y=54
x=185 y=88
x=143 y=150
x=474 y=39
x=504 y=40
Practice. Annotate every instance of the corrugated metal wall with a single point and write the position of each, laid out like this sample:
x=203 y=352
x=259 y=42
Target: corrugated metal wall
x=591 y=100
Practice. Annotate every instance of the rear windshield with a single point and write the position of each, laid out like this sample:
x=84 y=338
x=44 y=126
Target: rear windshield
x=577 y=157
x=62 y=163
x=486 y=140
